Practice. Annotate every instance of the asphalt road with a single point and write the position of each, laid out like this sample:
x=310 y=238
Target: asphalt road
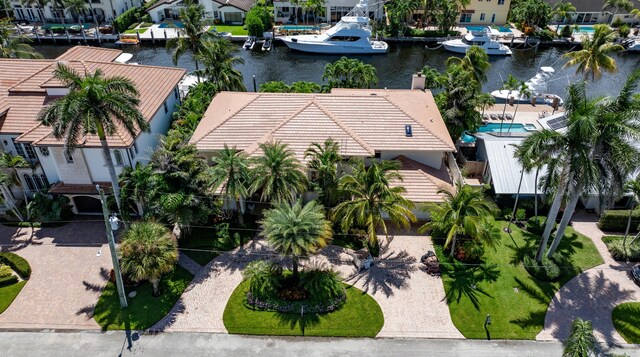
x=112 y=344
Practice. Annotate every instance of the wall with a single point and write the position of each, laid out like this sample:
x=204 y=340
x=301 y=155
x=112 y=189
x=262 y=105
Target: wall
x=488 y=7
x=8 y=147
x=48 y=164
x=97 y=165
x=101 y=7
x=71 y=173
x=431 y=158
x=160 y=123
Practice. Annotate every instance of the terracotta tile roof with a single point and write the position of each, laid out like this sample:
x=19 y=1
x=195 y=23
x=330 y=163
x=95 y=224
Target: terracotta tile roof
x=23 y=86
x=363 y=120
x=423 y=182
x=87 y=189
x=88 y=53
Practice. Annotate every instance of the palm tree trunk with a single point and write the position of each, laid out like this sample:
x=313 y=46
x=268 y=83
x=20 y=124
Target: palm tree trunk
x=10 y=202
x=626 y=232
x=294 y=260
x=155 y=282
x=515 y=205
x=239 y=210
x=115 y=187
x=566 y=217
x=551 y=218
x=514 y=117
x=535 y=195
x=504 y=111
x=453 y=245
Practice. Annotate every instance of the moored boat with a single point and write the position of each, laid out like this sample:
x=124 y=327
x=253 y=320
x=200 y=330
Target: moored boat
x=487 y=39
x=537 y=88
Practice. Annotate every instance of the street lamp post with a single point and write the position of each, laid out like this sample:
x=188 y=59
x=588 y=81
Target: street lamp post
x=111 y=225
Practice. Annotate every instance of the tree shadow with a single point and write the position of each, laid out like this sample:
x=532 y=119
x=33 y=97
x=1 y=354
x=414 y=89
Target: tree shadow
x=389 y=272
x=534 y=319
x=17 y=238
x=298 y=321
x=464 y=281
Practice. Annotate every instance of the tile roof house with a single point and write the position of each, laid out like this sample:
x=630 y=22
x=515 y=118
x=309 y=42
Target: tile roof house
x=103 y=11
x=226 y=11
x=591 y=12
x=27 y=86
x=387 y=124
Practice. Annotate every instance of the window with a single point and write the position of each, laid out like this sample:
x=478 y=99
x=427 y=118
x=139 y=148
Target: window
x=30 y=152
x=118 y=155
x=18 y=147
x=44 y=180
x=164 y=105
x=38 y=181
x=68 y=157
x=500 y=2
x=482 y=16
x=175 y=92
x=344 y=38
x=233 y=17
x=284 y=9
x=493 y=18
x=30 y=184
x=44 y=150
x=465 y=18
x=25 y=150
x=377 y=155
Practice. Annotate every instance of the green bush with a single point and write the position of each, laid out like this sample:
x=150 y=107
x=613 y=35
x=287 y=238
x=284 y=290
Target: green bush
x=616 y=220
x=469 y=250
x=127 y=18
x=521 y=214
x=567 y=31
x=8 y=280
x=17 y=263
x=536 y=225
x=545 y=35
x=324 y=283
x=47 y=208
x=146 y=19
x=5 y=271
x=258 y=20
x=617 y=23
x=546 y=270
x=614 y=244
x=264 y=278
x=624 y=31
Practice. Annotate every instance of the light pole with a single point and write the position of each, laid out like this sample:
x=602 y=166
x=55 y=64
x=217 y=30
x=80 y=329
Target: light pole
x=111 y=225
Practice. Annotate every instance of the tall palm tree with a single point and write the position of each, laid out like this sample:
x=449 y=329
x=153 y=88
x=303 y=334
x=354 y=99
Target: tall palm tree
x=350 y=73
x=525 y=92
x=13 y=163
x=40 y=6
x=563 y=10
x=432 y=78
x=76 y=7
x=231 y=170
x=134 y=185
x=632 y=186
x=7 y=196
x=509 y=85
x=14 y=45
x=594 y=57
x=581 y=341
x=370 y=197
x=296 y=231
x=465 y=212
x=217 y=56
x=475 y=60
x=325 y=159
x=277 y=174
x=147 y=252
x=95 y=105
x=192 y=35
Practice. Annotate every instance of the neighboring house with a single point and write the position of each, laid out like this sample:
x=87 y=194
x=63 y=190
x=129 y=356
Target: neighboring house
x=284 y=11
x=28 y=86
x=225 y=11
x=478 y=12
x=590 y=12
x=104 y=10
x=373 y=124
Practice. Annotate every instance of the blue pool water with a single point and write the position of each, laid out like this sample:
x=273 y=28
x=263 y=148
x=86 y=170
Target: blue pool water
x=583 y=28
x=495 y=128
x=479 y=28
x=176 y=24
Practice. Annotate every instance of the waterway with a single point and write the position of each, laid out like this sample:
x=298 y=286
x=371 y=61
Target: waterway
x=394 y=69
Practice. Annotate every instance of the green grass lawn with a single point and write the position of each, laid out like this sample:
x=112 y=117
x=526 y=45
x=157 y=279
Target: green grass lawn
x=626 y=319
x=144 y=310
x=202 y=244
x=236 y=30
x=9 y=293
x=133 y=31
x=359 y=317
x=516 y=302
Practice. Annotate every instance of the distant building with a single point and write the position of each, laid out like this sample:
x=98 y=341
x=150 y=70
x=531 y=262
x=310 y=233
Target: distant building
x=591 y=12
x=478 y=12
x=104 y=10
x=285 y=11
x=28 y=86
x=225 y=11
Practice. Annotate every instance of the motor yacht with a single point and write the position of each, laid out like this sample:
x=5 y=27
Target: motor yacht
x=487 y=39
x=537 y=88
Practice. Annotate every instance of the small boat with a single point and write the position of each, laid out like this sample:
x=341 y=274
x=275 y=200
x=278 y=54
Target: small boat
x=266 y=45
x=487 y=39
x=249 y=43
x=632 y=45
x=538 y=88
x=127 y=39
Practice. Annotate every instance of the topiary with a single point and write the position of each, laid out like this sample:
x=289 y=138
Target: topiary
x=545 y=270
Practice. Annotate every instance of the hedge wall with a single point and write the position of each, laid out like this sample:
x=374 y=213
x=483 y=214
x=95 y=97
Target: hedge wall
x=616 y=220
x=17 y=263
x=128 y=18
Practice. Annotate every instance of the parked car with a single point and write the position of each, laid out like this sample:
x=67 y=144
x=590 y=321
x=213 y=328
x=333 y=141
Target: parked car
x=635 y=273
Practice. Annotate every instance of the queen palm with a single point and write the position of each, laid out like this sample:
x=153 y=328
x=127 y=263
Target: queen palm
x=277 y=174
x=14 y=45
x=476 y=61
x=370 y=196
x=324 y=160
x=217 y=56
x=193 y=34
x=524 y=92
x=581 y=341
x=594 y=57
x=95 y=105
x=350 y=73
x=296 y=231
x=509 y=85
x=465 y=213
x=231 y=171
x=563 y=10
x=147 y=252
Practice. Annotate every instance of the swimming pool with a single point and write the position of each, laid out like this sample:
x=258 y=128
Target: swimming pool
x=583 y=28
x=165 y=25
x=495 y=128
x=480 y=28
x=298 y=28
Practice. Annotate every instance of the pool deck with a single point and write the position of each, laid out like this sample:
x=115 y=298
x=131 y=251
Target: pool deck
x=527 y=113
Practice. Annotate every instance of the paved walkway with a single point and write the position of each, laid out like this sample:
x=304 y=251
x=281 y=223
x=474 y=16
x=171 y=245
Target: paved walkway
x=411 y=300
x=593 y=294
x=67 y=275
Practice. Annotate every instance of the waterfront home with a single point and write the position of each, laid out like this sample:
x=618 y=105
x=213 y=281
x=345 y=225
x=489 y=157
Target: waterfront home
x=404 y=125
x=478 y=12
x=103 y=10
x=225 y=11
x=28 y=86
x=590 y=12
x=284 y=12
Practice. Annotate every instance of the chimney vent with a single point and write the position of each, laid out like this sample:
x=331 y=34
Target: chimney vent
x=417 y=82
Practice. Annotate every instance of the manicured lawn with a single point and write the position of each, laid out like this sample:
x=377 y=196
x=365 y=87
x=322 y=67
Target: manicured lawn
x=502 y=288
x=359 y=317
x=236 y=30
x=140 y=30
x=144 y=309
x=202 y=245
x=626 y=319
x=9 y=293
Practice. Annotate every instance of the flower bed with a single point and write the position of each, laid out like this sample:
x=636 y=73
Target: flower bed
x=278 y=305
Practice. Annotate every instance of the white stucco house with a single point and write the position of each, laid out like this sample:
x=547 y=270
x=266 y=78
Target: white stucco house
x=225 y=11
x=104 y=10
x=284 y=11
x=28 y=86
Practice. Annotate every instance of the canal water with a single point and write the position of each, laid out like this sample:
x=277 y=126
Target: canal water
x=394 y=69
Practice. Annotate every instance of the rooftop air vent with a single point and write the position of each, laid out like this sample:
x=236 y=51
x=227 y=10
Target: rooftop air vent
x=408 y=132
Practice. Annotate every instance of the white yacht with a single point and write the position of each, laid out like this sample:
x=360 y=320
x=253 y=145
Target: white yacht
x=632 y=45
x=487 y=39
x=351 y=35
x=538 y=88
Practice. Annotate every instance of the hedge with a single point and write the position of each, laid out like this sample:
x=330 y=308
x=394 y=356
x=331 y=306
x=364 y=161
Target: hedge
x=614 y=244
x=17 y=263
x=8 y=280
x=127 y=18
x=616 y=220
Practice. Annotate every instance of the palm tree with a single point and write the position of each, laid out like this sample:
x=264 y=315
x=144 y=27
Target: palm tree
x=465 y=212
x=277 y=174
x=217 y=56
x=581 y=342
x=14 y=45
x=525 y=92
x=7 y=196
x=475 y=60
x=370 y=197
x=432 y=77
x=94 y=105
x=632 y=186
x=40 y=5
x=13 y=163
x=147 y=252
x=134 y=184
x=616 y=6
x=231 y=170
x=296 y=231
x=317 y=7
x=563 y=10
x=350 y=73
x=594 y=57
x=192 y=35
x=324 y=161
x=76 y=7
x=509 y=85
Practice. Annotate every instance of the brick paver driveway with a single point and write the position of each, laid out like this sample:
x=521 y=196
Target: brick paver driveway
x=593 y=294
x=67 y=275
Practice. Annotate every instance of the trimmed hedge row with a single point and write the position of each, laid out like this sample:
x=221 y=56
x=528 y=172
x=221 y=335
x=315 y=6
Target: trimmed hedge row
x=614 y=244
x=8 y=280
x=17 y=263
x=616 y=220
x=128 y=18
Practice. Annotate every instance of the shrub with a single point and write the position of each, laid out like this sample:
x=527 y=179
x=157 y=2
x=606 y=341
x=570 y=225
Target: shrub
x=546 y=270
x=616 y=220
x=469 y=250
x=429 y=33
x=567 y=31
x=614 y=244
x=624 y=31
x=322 y=283
x=258 y=20
x=17 y=263
x=127 y=18
x=545 y=35
x=5 y=271
x=617 y=23
x=521 y=214
x=8 y=280
x=47 y=208
x=264 y=278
